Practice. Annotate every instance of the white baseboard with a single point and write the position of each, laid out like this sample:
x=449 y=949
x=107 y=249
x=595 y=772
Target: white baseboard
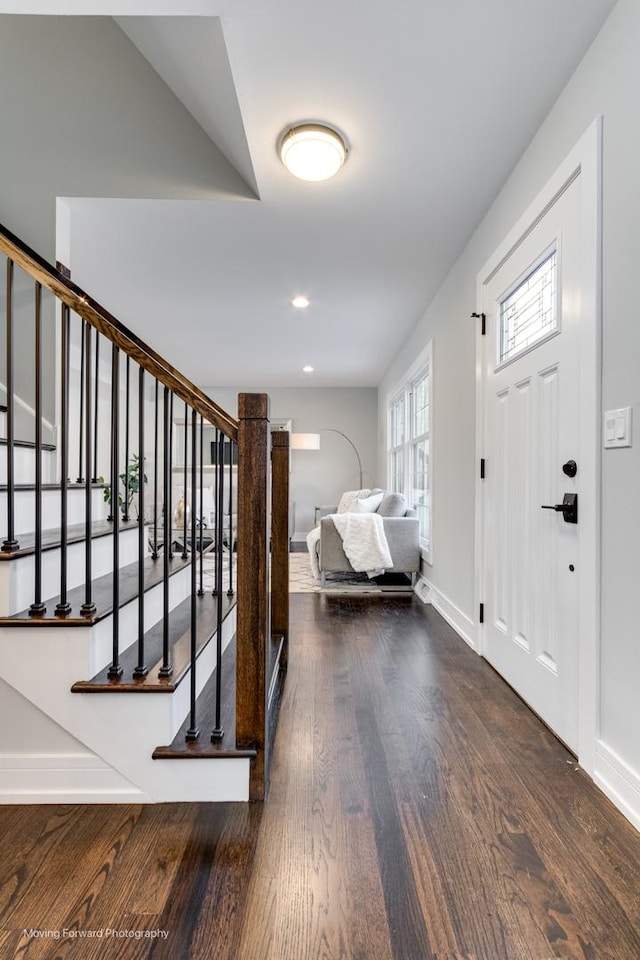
x=619 y=781
x=461 y=623
x=63 y=778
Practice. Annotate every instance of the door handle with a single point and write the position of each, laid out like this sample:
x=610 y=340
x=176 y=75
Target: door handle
x=568 y=507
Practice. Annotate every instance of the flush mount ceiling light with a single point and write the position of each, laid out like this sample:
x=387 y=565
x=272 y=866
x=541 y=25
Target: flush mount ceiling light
x=307 y=369
x=300 y=302
x=313 y=151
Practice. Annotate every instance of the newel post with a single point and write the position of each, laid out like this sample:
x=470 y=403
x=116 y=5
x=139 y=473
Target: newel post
x=253 y=595
x=280 y=540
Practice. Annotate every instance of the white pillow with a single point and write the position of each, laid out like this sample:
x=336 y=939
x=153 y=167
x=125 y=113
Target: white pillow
x=348 y=499
x=368 y=504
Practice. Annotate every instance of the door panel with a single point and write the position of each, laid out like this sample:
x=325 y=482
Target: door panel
x=531 y=427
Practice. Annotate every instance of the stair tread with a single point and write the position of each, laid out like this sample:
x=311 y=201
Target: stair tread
x=30 y=444
x=75 y=534
x=71 y=485
x=180 y=645
x=102 y=596
x=203 y=748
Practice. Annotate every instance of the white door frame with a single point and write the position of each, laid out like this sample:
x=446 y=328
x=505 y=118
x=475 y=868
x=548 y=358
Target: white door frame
x=584 y=161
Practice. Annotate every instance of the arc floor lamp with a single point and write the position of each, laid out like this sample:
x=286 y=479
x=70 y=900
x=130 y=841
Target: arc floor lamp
x=311 y=441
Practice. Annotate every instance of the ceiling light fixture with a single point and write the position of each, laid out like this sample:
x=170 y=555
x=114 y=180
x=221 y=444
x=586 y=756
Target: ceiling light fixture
x=307 y=369
x=313 y=151
x=300 y=302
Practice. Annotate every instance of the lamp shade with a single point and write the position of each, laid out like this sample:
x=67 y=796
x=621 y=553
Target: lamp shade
x=312 y=151
x=305 y=441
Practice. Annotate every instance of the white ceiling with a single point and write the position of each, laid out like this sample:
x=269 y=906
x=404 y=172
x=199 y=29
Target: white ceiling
x=438 y=101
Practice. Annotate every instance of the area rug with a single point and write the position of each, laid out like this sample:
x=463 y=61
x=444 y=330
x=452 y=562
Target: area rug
x=301 y=580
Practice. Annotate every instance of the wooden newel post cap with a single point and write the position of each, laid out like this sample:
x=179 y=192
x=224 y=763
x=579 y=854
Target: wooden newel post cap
x=253 y=406
x=280 y=438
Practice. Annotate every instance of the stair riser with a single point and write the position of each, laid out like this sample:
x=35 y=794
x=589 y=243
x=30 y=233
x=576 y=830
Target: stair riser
x=101 y=640
x=17 y=576
x=122 y=729
x=24 y=465
x=204 y=668
x=98 y=639
x=24 y=505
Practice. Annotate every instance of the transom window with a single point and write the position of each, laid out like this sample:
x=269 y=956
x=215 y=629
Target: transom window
x=409 y=443
x=528 y=313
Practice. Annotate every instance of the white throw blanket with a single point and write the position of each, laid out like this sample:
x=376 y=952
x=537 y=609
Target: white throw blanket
x=363 y=541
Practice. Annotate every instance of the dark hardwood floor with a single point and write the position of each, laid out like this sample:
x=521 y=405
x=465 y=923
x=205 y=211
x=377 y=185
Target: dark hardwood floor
x=417 y=811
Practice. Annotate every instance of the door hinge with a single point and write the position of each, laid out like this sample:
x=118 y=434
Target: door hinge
x=481 y=617
x=482 y=462
x=483 y=318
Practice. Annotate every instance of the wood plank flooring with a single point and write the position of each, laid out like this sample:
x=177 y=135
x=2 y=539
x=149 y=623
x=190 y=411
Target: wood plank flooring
x=417 y=811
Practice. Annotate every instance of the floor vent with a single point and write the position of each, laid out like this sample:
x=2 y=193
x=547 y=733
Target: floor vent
x=423 y=590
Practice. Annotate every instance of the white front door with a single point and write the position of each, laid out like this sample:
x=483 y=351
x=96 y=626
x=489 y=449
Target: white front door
x=533 y=375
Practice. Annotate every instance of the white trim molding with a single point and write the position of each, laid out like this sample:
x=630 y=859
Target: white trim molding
x=63 y=778
x=461 y=623
x=618 y=781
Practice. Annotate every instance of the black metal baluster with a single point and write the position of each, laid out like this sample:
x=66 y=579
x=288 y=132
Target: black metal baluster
x=170 y=491
x=38 y=608
x=11 y=543
x=194 y=731
x=218 y=732
x=115 y=670
x=80 y=478
x=185 y=506
x=113 y=500
x=141 y=669
x=125 y=512
x=88 y=607
x=95 y=478
x=230 y=447
x=167 y=668
x=63 y=607
x=216 y=445
x=154 y=553
x=201 y=588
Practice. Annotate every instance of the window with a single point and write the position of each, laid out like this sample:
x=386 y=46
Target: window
x=397 y=434
x=409 y=443
x=528 y=312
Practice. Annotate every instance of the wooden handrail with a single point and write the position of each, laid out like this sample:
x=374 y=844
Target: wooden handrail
x=111 y=328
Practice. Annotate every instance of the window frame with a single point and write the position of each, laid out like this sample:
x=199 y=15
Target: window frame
x=555 y=247
x=405 y=392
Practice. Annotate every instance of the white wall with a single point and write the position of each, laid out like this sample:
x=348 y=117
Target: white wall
x=29 y=731
x=606 y=82
x=93 y=120
x=319 y=477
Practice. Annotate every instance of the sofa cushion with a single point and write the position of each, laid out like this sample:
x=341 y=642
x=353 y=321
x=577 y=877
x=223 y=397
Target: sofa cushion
x=368 y=504
x=393 y=505
x=349 y=497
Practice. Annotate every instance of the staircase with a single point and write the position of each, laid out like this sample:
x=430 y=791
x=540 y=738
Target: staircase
x=143 y=603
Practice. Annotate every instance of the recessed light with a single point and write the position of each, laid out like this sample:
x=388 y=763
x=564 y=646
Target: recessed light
x=300 y=302
x=307 y=369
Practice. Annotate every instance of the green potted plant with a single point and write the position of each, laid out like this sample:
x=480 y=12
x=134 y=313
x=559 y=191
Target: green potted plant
x=130 y=482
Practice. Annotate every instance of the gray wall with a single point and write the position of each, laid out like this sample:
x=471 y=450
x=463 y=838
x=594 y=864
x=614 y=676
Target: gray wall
x=83 y=114
x=607 y=83
x=319 y=477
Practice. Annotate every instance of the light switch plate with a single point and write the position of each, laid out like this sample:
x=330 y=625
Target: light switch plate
x=617 y=427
